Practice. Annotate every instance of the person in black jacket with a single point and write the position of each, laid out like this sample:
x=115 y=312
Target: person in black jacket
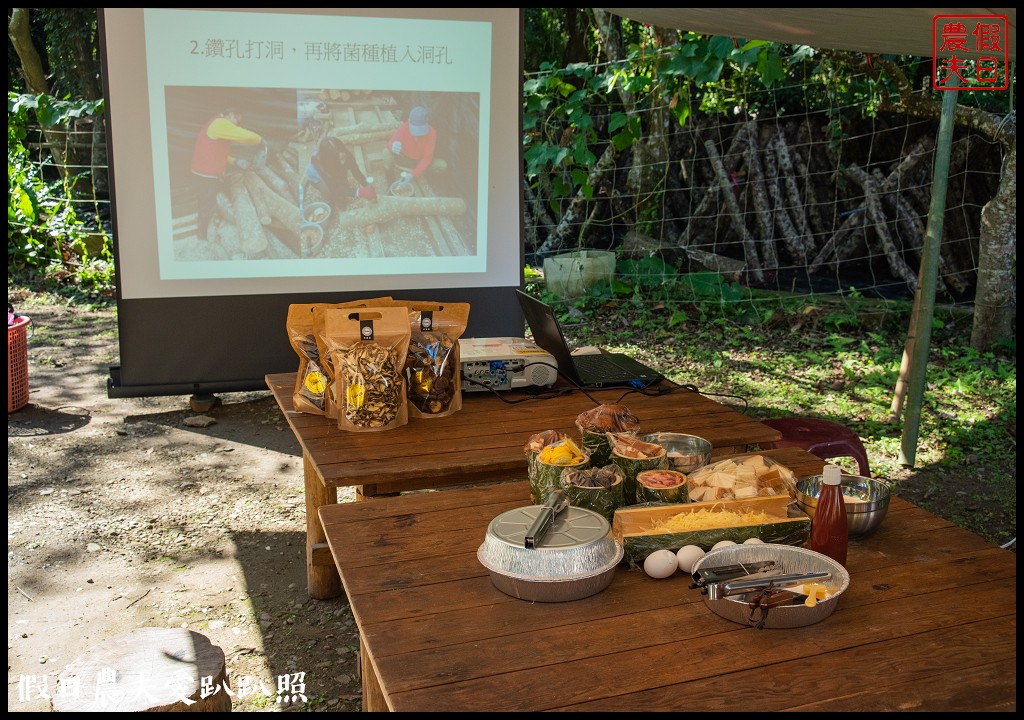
x=334 y=172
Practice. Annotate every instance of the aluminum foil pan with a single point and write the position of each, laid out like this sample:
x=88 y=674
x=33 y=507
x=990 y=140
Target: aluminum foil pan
x=789 y=559
x=577 y=557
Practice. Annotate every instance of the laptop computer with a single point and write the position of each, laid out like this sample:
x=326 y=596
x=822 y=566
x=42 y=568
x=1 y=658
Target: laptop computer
x=587 y=371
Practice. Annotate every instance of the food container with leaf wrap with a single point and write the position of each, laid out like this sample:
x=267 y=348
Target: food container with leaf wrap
x=311 y=380
x=642 y=529
x=634 y=456
x=740 y=477
x=367 y=349
x=433 y=368
x=594 y=426
x=546 y=469
x=661 y=486
x=594 y=488
x=538 y=442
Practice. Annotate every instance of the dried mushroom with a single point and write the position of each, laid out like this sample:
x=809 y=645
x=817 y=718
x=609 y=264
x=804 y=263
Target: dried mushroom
x=371 y=382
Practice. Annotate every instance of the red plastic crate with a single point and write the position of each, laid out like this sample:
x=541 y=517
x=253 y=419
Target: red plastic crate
x=17 y=363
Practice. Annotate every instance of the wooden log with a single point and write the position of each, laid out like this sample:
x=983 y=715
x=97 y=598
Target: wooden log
x=388 y=208
x=899 y=178
x=762 y=209
x=224 y=209
x=250 y=230
x=913 y=232
x=276 y=182
x=737 y=143
x=271 y=205
x=453 y=242
x=251 y=181
x=229 y=238
x=735 y=216
x=795 y=204
x=281 y=162
x=876 y=214
x=817 y=224
x=787 y=231
x=146 y=670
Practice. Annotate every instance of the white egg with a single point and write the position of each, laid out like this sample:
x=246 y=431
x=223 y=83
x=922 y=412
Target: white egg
x=722 y=543
x=687 y=555
x=661 y=564
x=753 y=541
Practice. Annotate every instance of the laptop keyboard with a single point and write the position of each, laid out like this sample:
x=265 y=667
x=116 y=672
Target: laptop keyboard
x=598 y=366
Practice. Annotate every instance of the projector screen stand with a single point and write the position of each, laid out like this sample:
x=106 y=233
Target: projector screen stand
x=202 y=402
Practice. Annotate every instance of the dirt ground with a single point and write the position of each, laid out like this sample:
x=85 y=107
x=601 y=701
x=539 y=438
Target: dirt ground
x=120 y=515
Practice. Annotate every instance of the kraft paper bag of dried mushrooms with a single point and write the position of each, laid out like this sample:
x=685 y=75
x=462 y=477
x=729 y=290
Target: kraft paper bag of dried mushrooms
x=311 y=380
x=433 y=367
x=366 y=348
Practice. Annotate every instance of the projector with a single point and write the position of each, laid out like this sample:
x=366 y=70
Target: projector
x=505 y=363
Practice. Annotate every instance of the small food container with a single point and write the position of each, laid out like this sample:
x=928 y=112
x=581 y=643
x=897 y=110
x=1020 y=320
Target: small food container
x=575 y=558
x=661 y=486
x=866 y=500
x=316 y=212
x=787 y=560
x=686 y=453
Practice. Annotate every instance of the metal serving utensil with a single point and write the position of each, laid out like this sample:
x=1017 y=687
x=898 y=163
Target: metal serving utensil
x=555 y=503
x=719 y=590
x=703 y=576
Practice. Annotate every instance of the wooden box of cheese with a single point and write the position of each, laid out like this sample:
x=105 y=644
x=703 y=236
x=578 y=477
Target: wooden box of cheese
x=636 y=527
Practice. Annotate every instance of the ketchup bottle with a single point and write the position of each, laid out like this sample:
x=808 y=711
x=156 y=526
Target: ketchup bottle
x=828 y=528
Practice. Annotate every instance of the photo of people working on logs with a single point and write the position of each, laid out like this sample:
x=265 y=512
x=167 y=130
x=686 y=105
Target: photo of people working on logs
x=322 y=173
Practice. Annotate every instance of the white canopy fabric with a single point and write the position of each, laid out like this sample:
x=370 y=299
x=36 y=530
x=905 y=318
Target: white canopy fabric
x=901 y=31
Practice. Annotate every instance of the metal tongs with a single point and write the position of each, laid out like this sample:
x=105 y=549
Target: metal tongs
x=719 y=590
x=704 y=576
x=555 y=503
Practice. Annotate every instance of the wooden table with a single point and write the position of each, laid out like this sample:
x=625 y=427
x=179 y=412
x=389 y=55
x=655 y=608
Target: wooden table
x=928 y=623
x=482 y=442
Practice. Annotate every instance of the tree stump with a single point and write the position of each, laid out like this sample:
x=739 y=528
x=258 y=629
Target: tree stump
x=146 y=670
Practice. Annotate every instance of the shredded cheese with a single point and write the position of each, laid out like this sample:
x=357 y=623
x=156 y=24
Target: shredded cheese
x=707 y=519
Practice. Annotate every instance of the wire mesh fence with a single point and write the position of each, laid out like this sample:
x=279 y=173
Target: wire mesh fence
x=795 y=191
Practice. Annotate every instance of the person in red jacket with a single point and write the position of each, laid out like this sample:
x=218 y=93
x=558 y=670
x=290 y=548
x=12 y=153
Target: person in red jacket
x=411 y=147
x=211 y=158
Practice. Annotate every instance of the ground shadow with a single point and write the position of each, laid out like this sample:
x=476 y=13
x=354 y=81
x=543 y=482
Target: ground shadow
x=253 y=421
x=37 y=421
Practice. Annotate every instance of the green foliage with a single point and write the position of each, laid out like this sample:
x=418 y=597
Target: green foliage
x=46 y=238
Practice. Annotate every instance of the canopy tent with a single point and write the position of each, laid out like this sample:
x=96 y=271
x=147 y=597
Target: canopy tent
x=900 y=31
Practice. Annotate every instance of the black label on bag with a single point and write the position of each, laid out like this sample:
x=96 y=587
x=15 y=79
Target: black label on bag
x=426 y=320
x=366 y=330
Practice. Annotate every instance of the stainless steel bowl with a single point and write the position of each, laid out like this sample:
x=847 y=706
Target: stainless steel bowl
x=864 y=512
x=788 y=559
x=686 y=453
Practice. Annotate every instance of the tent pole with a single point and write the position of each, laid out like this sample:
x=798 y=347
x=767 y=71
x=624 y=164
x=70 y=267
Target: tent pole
x=926 y=282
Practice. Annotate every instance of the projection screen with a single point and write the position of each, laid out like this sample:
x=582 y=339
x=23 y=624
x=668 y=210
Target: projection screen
x=254 y=164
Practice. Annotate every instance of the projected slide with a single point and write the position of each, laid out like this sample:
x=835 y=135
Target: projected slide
x=321 y=174
x=278 y=151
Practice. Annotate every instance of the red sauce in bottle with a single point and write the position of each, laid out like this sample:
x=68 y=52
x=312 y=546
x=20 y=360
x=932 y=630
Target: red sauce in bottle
x=829 y=535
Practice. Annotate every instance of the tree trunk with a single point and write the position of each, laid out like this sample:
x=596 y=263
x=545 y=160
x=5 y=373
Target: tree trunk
x=995 y=299
x=556 y=240
x=35 y=77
